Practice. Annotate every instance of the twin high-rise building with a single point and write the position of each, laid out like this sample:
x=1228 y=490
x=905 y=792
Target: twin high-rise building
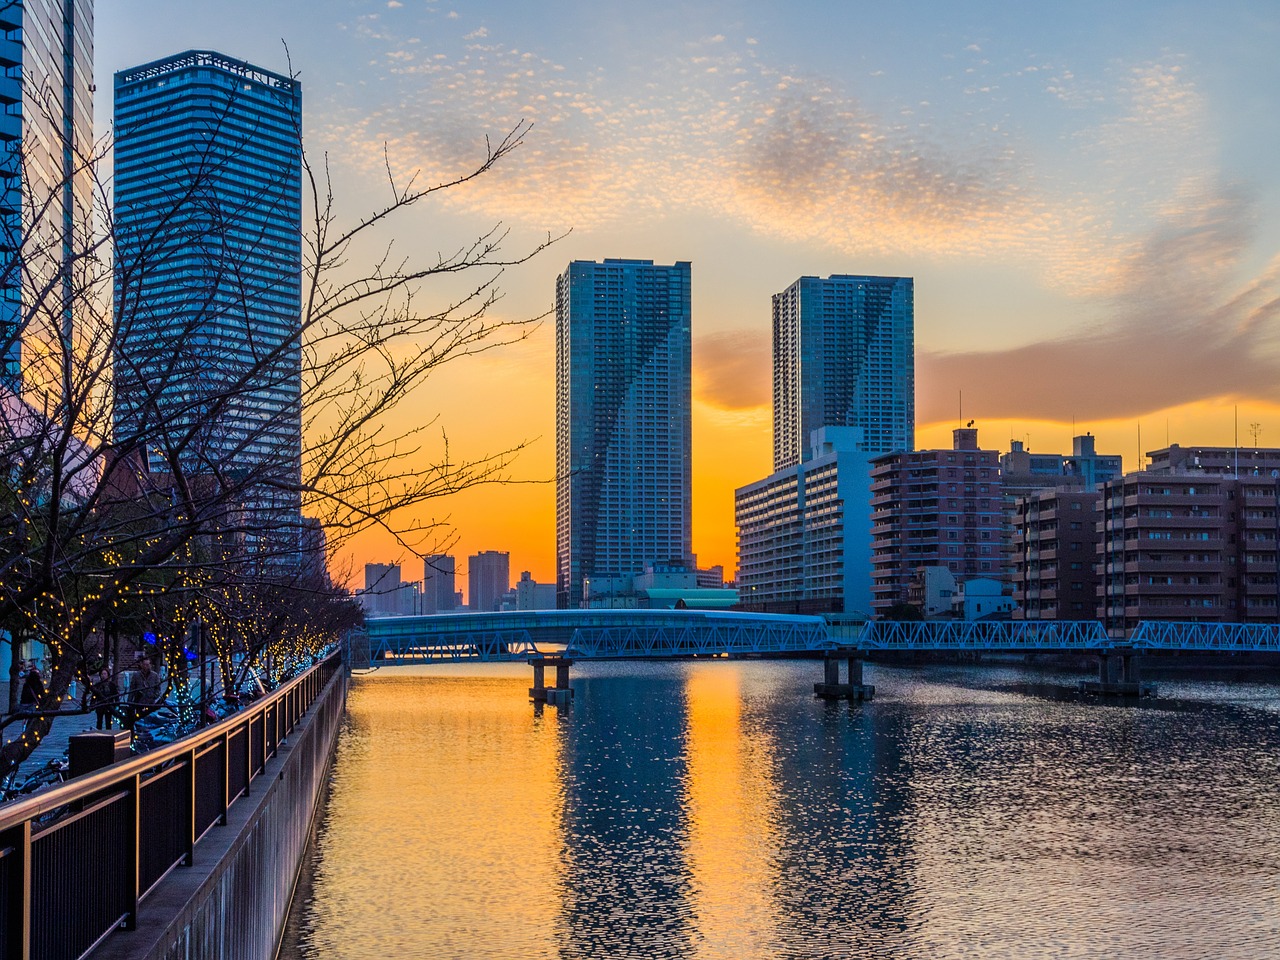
x=46 y=185
x=623 y=381
x=843 y=356
x=843 y=391
x=208 y=216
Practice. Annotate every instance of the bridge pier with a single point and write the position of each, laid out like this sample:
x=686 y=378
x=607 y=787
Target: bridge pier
x=832 y=689
x=559 y=694
x=1119 y=675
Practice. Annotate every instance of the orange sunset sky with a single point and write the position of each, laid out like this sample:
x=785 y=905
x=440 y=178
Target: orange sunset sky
x=1086 y=198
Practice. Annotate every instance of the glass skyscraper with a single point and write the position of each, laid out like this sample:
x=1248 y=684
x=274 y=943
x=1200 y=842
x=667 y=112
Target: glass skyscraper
x=843 y=356
x=208 y=219
x=46 y=135
x=622 y=421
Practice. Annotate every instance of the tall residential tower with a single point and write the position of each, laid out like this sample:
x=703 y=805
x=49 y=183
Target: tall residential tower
x=46 y=138
x=622 y=421
x=208 y=214
x=843 y=356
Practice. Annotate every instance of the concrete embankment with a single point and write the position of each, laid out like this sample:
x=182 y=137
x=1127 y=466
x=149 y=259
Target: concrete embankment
x=231 y=904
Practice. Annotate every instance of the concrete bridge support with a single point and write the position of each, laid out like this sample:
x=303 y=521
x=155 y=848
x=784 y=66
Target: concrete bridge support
x=832 y=689
x=559 y=694
x=1119 y=675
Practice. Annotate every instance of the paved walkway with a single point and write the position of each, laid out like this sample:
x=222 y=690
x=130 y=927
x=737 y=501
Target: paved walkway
x=54 y=745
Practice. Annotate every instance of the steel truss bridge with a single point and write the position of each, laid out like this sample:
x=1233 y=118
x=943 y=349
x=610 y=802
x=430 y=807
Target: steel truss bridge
x=656 y=634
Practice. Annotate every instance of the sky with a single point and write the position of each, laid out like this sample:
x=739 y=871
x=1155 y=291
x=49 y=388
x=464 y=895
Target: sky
x=1086 y=194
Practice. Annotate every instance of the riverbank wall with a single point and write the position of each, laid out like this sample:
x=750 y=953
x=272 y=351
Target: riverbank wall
x=232 y=902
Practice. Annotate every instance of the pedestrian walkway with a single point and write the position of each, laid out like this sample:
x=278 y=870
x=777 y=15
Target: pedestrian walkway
x=54 y=744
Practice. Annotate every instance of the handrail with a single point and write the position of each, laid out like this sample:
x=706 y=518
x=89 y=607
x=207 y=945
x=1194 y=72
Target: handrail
x=125 y=827
x=29 y=808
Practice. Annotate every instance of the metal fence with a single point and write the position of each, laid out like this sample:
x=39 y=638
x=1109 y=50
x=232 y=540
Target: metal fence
x=76 y=860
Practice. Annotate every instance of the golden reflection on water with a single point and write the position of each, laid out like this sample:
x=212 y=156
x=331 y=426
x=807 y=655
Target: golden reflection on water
x=731 y=808
x=475 y=812
x=715 y=810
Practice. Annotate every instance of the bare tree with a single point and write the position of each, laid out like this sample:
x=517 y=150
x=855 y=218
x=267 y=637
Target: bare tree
x=158 y=521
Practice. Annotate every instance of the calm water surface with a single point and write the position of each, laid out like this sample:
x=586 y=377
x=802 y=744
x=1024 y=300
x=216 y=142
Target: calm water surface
x=717 y=810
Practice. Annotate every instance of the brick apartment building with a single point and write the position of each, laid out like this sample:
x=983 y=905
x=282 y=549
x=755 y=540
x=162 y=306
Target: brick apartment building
x=934 y=508
x=1189 y=545
x=1055 y=542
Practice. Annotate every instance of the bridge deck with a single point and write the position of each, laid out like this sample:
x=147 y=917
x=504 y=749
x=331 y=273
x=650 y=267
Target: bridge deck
x=626 y=634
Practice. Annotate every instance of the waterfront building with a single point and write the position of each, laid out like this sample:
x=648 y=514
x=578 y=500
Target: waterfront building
x=1055 y=543
x=46 y=138
x=934 y=508
x=804 y=533
x=931 y=591
x=623 y=421
x=488 y=580
x=1024 y=474
x=1222 y=461
x=208 y=219
x=1188 y=545
x=661 y=586
x=843 y=356
x=438 y=583
x=981 y=598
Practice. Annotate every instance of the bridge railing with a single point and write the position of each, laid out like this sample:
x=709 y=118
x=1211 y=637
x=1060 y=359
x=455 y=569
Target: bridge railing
x=76 y=860
x=984 y=635
x=1219 y=637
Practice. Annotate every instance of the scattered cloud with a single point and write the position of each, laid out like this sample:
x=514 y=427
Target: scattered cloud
x=787 y=154
x=1133 y=222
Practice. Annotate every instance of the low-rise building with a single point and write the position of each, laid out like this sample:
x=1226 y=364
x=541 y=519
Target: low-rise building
x=981 y=598
x=662 y=586
x=931 y=591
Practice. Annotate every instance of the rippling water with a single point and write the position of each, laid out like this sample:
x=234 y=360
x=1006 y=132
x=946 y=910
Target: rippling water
x=717 y=810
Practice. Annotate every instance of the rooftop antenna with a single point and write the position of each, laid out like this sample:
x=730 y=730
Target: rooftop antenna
x=1255 y=429
x=1139 y=446
x=1236 y=415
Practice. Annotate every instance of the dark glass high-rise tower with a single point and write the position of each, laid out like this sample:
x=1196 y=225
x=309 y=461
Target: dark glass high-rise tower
x=843 y=356
x=208 y=219
x=622 y=421
x=46 y=137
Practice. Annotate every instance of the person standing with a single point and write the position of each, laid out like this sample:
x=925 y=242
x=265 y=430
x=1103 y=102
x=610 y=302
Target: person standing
x=105 y=693
x=32 y=689
x=144 y=689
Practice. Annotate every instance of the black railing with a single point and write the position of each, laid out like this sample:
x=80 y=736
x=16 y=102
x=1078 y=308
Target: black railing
x=76 y=860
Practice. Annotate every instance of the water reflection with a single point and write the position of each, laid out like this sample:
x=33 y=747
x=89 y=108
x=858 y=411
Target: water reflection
x=716 y=810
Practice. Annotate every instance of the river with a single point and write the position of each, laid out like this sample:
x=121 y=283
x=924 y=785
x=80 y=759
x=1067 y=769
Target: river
x=718 y=810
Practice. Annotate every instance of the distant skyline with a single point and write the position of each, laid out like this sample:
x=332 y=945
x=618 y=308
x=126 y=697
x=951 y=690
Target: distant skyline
x=1086 y=198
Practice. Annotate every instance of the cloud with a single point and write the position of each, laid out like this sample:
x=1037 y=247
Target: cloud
x=1131 y=221
x=1179 y=328
x=732 y=371
x=716 y=131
